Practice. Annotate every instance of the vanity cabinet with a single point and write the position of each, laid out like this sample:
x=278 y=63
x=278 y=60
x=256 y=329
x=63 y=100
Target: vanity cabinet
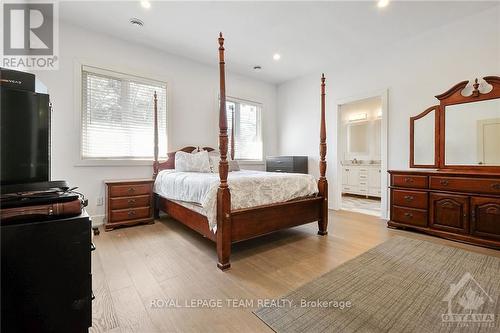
x=449 y=204
x=361 y=180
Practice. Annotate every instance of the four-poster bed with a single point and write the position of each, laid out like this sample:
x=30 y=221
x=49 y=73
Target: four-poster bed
x=234 y=225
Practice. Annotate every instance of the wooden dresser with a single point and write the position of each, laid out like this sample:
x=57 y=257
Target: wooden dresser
x=293 y=164
x=459 y=205
x=128 y=202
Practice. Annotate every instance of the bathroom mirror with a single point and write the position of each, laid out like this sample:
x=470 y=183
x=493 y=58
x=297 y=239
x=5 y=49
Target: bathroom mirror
x=423 y=142
x=473 y=133
x=357 y=138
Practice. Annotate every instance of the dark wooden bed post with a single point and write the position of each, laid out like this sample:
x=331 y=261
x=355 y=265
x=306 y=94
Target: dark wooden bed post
x=322 y=182
x=223 y=233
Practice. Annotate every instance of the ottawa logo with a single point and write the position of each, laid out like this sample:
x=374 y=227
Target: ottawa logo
x=468 y=304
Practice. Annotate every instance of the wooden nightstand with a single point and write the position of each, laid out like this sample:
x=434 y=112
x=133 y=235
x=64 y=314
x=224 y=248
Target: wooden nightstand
x=128 y=202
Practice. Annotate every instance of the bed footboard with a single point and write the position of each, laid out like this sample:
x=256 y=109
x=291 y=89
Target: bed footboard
x=256 y=221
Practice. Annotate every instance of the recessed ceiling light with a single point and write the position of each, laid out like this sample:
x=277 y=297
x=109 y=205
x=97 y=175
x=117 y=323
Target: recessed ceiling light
x=382 y=3
x=136 y=22
x=257 y=68
x=145 y=4
x=276 y=56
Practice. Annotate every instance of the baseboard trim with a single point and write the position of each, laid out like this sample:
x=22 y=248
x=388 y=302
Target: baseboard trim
x=97 y=220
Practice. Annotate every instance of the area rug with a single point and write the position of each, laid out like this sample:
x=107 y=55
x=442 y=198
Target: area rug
x=402 y=285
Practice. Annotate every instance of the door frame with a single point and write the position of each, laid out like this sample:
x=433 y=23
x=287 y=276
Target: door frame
x=383 y=94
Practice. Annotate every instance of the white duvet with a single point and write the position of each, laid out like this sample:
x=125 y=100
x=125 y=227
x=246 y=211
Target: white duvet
x=248 y=189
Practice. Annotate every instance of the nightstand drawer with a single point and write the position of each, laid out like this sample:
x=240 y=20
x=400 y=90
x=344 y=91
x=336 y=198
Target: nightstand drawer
x=129 y=190
x=279 y=169
x=280 y=162
x=130 y=202
x=295 y=164
x=129 y=214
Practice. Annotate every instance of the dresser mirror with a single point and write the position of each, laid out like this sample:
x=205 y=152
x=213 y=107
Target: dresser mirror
x=423 y=143
x=462 y=132
x=473 y=133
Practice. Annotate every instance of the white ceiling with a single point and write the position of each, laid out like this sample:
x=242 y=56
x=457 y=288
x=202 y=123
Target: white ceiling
x=308 y=35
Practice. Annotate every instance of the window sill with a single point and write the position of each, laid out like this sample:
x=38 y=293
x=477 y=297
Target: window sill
x=250 y=162
x=113 y=163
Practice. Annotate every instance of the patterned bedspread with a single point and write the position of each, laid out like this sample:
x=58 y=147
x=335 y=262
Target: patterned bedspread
x=248 y=189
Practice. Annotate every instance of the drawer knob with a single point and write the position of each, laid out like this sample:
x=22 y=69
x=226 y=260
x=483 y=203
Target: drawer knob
x=408 y=198
x=131 y=213
x=131 y=201
x=131 y=189
x=410 y=215
x=444 y=182
x=495 y=186
x=409 y=180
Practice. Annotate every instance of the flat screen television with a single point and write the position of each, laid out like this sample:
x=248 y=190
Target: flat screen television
x=24 y=137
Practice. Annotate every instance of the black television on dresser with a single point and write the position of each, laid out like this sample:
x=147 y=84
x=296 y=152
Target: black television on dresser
x=24 y=131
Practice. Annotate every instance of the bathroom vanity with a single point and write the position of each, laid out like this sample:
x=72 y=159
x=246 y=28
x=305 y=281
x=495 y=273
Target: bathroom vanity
x=361 y=179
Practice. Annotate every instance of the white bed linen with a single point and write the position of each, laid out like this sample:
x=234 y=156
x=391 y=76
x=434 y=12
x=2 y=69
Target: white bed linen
x=248 y=188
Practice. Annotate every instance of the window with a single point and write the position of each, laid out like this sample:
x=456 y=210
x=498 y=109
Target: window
x=118 y=115
x=247 y=128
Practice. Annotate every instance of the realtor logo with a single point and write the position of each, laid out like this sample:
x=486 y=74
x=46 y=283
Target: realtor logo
x=29 y=35
x=468 y=304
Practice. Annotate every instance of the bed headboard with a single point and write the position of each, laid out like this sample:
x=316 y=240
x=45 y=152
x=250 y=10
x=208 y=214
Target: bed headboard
x=170 y=162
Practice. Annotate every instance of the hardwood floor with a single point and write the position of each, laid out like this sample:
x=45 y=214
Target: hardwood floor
x=135 y=267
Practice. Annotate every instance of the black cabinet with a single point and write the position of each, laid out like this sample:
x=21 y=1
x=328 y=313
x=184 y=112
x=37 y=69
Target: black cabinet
x=294 y=164
x=46 y=276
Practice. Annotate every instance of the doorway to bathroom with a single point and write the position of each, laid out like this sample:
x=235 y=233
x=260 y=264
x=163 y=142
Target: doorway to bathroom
x=360 y=155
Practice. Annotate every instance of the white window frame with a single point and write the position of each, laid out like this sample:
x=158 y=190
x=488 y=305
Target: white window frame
x=260 y=116
x=79 y=161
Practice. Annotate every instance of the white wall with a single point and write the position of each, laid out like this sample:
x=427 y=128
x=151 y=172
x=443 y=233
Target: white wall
x=413 y=71
x=193 y=113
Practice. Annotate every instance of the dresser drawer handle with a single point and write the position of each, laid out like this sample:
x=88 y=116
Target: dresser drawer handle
x=131 y=202
x=131 y=189
x=131 y=213
x=444 y=182
x=409 y=180
x=409 y=198
x=410 y=215
x=495 y=186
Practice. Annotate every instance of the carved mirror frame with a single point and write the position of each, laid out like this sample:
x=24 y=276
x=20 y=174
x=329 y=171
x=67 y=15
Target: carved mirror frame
x=434 y=108
x=452 y=97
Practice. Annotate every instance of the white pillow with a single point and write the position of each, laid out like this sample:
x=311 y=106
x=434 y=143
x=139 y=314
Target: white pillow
x=214 y=163
x=188 y=162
